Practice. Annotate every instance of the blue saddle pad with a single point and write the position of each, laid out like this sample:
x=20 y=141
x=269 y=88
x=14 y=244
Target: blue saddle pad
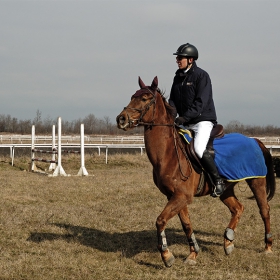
x=238 y=157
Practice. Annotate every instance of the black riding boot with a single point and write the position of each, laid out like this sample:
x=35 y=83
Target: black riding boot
x=210 y=166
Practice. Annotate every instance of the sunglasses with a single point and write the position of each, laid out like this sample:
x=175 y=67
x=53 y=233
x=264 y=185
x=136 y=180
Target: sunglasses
x=179 y=58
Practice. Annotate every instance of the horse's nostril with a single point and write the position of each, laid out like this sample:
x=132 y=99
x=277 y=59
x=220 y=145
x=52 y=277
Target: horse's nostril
x=120 y=119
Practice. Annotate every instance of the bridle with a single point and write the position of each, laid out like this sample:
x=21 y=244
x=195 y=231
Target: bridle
x=139 y=121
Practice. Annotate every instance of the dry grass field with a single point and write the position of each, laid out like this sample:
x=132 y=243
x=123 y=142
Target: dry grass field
x=103 y=226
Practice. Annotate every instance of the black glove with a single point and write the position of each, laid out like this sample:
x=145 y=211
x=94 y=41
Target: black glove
x=180 y=120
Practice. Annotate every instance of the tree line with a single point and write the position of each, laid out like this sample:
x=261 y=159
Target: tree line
x=94 y=125
x=252 y=130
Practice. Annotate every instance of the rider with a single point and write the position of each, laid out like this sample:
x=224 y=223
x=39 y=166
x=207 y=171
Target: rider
x=191 y=97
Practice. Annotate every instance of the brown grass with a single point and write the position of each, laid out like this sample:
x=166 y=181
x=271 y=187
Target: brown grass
x=103 y=226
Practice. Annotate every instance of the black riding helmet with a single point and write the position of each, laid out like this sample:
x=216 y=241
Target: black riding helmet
x=187 y=50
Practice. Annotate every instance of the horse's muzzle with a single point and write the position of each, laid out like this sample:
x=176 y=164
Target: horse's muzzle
x=122 y=122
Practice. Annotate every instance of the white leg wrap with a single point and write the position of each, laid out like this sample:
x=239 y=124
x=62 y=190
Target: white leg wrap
x=162 y=241
x=192 y=242
x=229 y=234
x=267 y=236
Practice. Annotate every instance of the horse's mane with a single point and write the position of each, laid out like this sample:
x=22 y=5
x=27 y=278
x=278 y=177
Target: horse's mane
x=168 y=107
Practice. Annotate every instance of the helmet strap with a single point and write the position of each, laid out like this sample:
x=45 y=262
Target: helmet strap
x=189 y=64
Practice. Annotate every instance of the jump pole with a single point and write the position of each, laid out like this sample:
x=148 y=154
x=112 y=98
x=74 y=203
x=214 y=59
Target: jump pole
x=59 y=169
x=33 y=165
x=82 y=171
x=53 y=164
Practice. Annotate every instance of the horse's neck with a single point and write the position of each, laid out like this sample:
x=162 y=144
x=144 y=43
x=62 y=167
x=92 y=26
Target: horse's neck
x=160 y=137
x=158 y=142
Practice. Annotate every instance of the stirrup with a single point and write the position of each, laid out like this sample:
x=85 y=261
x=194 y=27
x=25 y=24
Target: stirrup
x=214 y=194
x=221 y=187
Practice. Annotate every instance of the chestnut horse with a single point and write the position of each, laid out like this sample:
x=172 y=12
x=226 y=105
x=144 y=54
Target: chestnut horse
x=175 y=177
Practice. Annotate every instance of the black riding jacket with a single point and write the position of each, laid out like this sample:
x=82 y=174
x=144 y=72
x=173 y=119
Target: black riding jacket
x=191 y=95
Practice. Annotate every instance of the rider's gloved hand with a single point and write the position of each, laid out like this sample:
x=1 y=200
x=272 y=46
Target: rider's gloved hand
x=180 y=120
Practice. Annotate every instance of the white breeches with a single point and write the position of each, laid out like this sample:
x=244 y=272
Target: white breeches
x=202 y=132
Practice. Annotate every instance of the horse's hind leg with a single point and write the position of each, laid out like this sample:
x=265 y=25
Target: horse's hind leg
x=236 y=209
x=258 y=187
x=186 y=224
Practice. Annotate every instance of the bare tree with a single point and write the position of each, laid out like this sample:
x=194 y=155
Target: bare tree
x=24 y=126
x=234 y=126
x=90 y=123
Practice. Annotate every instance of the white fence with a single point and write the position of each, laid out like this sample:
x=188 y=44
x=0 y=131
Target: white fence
x=97 y=142
x=99 y=147
x=95 y=139
x=98 y=139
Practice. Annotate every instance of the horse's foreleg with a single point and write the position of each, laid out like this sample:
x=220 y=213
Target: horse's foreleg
x=186 y=224
x=172 y=208
x=258 y=187
x=236 y=209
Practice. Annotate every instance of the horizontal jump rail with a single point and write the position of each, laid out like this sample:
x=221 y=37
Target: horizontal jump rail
x=54 y=152
x=44 y=160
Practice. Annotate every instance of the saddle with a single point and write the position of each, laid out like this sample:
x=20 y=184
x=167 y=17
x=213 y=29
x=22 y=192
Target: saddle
x=217 y=132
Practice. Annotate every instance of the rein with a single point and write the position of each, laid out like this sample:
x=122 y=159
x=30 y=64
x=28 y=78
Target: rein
x=184 y=152
x=155 y=124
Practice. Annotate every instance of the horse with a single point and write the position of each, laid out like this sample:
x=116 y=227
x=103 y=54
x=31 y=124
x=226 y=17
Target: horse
x=175 y=176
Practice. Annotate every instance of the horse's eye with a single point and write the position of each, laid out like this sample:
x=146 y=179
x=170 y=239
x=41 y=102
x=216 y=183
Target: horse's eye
x=144 y=99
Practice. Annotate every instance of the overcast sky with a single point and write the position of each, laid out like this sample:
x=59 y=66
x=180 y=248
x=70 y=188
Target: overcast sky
x=75 y=58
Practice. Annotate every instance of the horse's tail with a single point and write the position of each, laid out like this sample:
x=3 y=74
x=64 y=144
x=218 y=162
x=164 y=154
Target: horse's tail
x=270 y=178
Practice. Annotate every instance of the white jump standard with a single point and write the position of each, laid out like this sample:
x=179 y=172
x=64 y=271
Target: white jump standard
x=56 y=153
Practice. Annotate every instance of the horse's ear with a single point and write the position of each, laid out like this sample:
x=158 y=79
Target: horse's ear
x=154 y=84
x=140 y=82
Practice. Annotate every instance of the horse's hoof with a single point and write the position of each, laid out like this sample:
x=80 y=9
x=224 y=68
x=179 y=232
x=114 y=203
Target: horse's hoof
x=229 y=249
x=170 y=261
x=189 y=261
